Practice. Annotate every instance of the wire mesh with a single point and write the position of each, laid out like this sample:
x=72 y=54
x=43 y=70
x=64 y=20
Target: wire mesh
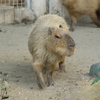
x=15 y=3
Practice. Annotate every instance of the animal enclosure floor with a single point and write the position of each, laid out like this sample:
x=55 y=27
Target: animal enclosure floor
x=75 y=84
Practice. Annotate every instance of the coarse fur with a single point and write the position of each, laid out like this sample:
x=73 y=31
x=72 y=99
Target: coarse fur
x=51 y=20
x=48 y=45
x=78 y=8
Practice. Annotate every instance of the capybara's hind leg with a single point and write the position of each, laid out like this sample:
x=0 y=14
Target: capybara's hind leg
x=98 y=14
x=73 y=22
x=38 y=72
x=95 y=19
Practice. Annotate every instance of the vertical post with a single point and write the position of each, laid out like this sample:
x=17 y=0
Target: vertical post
x=9 y=2
x=13 y=2
x=28 y=4
x=39 y=7
x=55 y=7
x=17 y=3
x=21 y=3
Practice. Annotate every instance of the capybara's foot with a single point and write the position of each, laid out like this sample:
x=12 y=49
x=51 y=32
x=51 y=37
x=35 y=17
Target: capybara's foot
x=50 y=81
x=71 y=29
x=62 y=70
x=98 y=24
x=40 y=80
x=51 y=84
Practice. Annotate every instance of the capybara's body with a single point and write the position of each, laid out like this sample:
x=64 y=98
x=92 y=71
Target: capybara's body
x=78 y=8
x=48 y=45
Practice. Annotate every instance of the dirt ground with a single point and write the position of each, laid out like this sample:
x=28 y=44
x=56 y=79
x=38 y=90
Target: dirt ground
x=15 y=60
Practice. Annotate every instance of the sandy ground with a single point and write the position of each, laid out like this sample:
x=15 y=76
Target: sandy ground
x=15 y=60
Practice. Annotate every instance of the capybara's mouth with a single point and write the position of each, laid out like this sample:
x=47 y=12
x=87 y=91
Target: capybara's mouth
x=71 y=52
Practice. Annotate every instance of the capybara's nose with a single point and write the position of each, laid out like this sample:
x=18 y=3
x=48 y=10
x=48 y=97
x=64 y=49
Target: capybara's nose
x=70 y=46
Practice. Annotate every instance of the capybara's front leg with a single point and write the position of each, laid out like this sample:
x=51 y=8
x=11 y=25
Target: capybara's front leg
x=38 y=72
x=73 y=22
x=49 y=79
x=62 y=67
x=95 y=19
x=50 y=70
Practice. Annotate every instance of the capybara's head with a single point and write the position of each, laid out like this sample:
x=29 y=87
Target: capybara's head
x=59 y=42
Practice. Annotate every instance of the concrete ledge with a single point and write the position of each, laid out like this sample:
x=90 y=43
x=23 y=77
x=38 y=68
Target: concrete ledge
x=6 y=14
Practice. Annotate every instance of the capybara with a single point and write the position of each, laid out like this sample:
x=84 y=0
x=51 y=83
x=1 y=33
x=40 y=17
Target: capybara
x=78 y=8
x=48 y=44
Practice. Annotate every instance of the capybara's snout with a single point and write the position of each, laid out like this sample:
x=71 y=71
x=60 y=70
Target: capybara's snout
x=70 y=45
x=70 y=41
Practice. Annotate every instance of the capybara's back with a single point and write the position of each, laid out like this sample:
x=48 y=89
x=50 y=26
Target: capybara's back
x=51 y=21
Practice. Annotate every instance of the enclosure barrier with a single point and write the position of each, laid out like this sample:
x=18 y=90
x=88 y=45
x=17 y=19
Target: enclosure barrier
x=15 y=3
x=30 y=8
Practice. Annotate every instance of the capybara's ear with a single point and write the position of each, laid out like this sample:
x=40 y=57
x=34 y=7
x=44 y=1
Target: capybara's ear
x=50 y=29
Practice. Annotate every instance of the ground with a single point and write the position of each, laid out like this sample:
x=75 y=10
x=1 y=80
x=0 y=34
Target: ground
x=75 y=84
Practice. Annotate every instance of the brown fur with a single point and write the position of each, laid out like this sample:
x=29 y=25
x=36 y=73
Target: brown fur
x=78 y=8
x=48 y=45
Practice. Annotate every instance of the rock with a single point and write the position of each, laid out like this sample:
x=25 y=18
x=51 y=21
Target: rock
x=24 y=15
x=27 y=15
x=92 y=73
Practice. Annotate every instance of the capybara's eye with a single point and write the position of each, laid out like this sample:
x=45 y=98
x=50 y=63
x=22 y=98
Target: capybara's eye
x=60 y=26
x=57 y=36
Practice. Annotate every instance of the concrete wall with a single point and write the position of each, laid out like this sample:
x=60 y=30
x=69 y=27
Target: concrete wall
x=6 y=14
x=34 y=8
x=41 y=7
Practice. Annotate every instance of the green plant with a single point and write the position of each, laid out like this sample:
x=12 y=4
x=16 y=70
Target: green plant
x=98 y=78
